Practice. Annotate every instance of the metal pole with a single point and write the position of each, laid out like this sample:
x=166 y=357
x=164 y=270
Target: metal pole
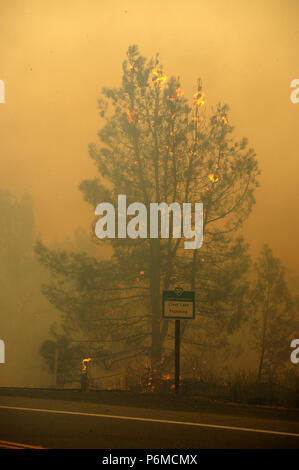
x=177 y=355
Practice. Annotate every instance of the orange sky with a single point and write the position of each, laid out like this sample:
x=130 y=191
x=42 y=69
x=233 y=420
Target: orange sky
x=55 y=56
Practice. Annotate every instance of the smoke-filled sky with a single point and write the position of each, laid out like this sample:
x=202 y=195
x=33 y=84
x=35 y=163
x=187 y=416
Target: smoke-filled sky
x=55 y=56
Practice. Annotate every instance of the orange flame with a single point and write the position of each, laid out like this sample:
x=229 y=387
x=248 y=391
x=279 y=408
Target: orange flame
x=130 y=116
x=132 y=68
x=213 y=178
x=224 y=120
x=198 y=99
x=84 y=364
x=158 y=76
x=179 y=92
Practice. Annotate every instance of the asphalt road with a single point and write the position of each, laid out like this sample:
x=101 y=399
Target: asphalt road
x=59 y=424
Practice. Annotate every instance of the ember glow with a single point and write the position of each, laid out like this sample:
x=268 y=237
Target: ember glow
x=213 y=178
x=85 y=363
x=198 y=99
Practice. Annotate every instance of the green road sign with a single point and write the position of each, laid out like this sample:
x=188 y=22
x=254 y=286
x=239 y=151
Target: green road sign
x=178 y=304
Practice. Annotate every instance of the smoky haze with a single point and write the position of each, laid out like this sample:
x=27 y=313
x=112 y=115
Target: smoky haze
x=56 y=57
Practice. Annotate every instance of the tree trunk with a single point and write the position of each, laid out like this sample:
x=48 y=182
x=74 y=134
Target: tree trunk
x=265 y=321
x=155 y=296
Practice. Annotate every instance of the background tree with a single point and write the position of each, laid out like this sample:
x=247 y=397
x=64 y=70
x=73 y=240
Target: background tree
x=25 y=315
x=274 y=315
x=158 y=148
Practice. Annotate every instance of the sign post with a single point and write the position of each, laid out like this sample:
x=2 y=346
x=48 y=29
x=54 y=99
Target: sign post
x=177 y=356
x=178 y=305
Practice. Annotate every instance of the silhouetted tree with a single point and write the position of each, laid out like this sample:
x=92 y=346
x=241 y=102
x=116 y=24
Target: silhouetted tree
x=273 y=316
x=24 y=314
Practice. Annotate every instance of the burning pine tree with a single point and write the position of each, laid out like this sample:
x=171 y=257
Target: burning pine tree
x=156 y=146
